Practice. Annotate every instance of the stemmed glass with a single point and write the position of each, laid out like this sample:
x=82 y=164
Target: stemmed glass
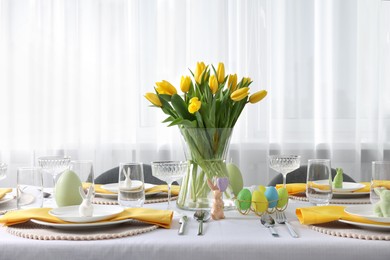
x=3 y=170
x=54 y=165
x=284 y=164
x=169 y=171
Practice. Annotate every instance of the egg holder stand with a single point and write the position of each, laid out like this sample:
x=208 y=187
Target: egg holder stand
x=259 y=205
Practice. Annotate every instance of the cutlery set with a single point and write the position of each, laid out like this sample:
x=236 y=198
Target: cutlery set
x=200 y=216
x=266 y=220
x=280 y=218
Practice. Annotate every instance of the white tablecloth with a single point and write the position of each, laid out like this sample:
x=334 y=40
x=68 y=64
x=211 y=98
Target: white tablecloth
x=236 y=237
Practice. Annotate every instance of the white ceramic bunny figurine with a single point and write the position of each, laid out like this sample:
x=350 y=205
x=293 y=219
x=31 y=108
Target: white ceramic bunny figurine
x=127 y=182
x=86 y=208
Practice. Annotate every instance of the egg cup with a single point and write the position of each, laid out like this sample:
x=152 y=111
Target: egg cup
x=259 y=208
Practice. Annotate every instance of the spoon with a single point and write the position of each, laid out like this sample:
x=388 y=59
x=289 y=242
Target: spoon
x=269 y=223
x=201 y=216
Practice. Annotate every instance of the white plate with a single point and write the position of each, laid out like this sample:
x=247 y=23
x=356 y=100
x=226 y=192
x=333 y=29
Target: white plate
x=80 y=225
x=367 y=226
x=113 y=187
x=100 y=212
x=347 y=186
x=6 y=198
x=366 y=211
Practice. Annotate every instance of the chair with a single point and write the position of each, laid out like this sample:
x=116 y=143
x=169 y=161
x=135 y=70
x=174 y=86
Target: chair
x=299 y=176
x=112 y=175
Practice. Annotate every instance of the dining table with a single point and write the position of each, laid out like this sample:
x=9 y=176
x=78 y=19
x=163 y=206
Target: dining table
x=237 y=236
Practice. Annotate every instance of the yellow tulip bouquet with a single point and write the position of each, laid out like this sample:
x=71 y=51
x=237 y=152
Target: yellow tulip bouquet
x=206 y=113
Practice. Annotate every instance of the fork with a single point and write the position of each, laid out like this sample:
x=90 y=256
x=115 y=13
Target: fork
x=281 y=219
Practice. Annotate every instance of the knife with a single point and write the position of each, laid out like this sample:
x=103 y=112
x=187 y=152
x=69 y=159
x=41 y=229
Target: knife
x=182 y=222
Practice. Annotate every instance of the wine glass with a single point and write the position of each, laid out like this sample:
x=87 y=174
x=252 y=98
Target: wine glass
x=169 y=171
x=54 y=165
x=284 y=164
x=3 y=170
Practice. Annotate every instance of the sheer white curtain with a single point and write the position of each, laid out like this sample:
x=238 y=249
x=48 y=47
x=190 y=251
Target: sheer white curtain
x=73 y=74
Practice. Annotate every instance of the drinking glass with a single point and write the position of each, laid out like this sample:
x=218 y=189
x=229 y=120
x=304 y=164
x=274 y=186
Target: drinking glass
x=29 y=187
x=84 y=170
x=319 y=181
x=131 y=186
x=380 y=178
x=54 y=165
x=284 y=164
x=169 y=171
x=3 y=170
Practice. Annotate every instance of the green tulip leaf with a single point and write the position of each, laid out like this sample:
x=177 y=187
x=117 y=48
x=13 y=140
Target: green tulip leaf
x=181 y=107
x=183 y=122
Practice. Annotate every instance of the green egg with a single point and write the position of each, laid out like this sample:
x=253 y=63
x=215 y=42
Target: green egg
x=67 y=189
x=244 y=199
x=283 y=197
x=235 y=178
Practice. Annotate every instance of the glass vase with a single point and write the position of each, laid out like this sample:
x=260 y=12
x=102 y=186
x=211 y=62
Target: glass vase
x=206 y=150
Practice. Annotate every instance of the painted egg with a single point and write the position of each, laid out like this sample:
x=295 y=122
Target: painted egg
x=259 y=202
x=272 y=196
x=244 y=199
x=235 y=178
x=261 y=188
x=283 y=197
x=67 y=189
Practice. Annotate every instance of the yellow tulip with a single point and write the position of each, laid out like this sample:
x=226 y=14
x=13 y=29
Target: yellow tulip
x=200 y=67
x=185 y=83
x=245 y=80
x=240 y=94
x=232 y=82
x=164 y=87
x=256 y=97
x=221 y=72
x=154 y=99
x=195 y=105
x=213 y=83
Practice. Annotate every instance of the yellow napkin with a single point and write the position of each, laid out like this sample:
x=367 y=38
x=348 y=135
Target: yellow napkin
x=324 y=214
x=294 y=188
x=158 y=188
x=4 y=191
x=381 y=183
x=99 y=189
x=164 y=188
x=162 y=218
x=366 y=188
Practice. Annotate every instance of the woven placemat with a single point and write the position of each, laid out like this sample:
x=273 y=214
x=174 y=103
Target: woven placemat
x=339 y=229
x=358 y=200
x=154 y=199
x=32 y=230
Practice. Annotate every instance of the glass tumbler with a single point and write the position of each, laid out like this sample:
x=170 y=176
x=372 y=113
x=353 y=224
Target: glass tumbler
x=131 y=186
x=380 y=178
x=29 y=187
x=319 y=181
